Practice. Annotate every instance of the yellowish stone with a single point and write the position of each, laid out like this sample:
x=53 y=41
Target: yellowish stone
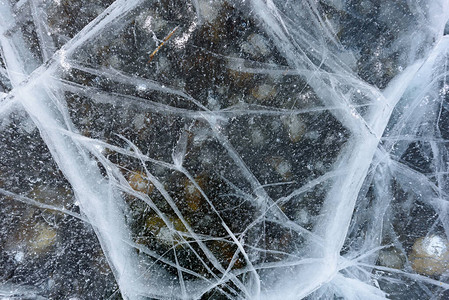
x=264 y=92
x=430 y=255
x=139 y=182
x=295 y=127
x=44 y=238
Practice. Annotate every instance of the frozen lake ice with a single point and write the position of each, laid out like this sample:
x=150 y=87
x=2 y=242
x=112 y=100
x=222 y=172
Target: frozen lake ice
x=224 y=149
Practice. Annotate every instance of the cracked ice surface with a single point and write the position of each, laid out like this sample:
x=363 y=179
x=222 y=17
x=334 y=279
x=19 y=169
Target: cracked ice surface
x=224 y=149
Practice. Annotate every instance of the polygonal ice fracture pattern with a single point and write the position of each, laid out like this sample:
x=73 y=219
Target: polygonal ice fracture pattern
x=224 y=149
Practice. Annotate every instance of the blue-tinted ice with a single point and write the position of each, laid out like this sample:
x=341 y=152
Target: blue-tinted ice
x=224 y=149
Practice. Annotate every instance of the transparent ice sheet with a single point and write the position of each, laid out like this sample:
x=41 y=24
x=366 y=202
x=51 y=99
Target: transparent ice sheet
x=224 y=150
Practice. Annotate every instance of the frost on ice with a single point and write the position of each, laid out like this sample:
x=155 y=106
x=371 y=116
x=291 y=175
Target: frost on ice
x=224 y=149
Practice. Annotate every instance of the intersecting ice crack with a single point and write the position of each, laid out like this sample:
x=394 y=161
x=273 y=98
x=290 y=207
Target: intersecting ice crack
x=261 y=150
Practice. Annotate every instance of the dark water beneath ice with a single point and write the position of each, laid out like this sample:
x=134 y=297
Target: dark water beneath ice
x=224 y=149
